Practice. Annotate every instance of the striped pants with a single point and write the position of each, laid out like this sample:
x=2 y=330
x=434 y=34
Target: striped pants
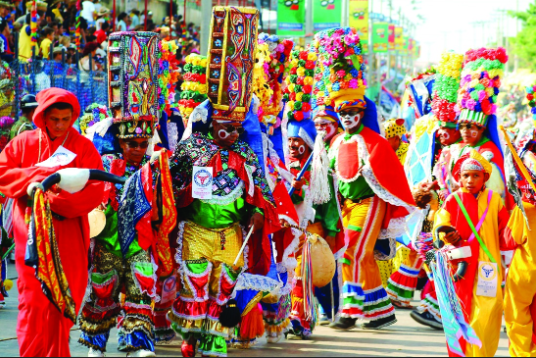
x=363 y=293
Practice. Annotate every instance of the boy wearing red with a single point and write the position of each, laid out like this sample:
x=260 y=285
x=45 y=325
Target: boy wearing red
x=42 y=330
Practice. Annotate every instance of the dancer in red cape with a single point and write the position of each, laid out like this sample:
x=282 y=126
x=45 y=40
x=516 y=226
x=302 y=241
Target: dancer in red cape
x=42 y=330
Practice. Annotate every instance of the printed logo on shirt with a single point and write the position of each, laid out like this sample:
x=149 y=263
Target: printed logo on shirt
x=203 y=178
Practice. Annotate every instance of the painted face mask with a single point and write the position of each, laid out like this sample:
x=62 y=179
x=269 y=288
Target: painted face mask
x=351 y=119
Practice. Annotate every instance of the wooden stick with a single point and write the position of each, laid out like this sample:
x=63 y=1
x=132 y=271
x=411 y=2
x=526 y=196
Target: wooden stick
x=243 y=246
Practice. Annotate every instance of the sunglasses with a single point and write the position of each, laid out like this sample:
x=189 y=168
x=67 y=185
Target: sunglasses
x=134 y=145
x=232 y=129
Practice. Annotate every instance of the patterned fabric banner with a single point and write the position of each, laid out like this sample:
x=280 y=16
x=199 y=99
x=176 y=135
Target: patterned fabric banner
x=327 y=14
x=392 y=37
x=380 y=37
x=291 y=18
x=399 y=38
x=359 y=19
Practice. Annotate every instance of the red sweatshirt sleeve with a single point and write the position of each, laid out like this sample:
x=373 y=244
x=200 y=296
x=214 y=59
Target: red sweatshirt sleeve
x=80 y=203
x=14 y=179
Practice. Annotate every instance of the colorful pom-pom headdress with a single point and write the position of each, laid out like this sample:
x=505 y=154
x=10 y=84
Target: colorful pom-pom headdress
x=194 y=88
x=300 y=84
x=531 y=98
x=395 y=128
x=341 y=55
x=273 y=55
x=322 y=113
x=132 y=77
x=231 y=59
x=481 y=78
x=447 y=83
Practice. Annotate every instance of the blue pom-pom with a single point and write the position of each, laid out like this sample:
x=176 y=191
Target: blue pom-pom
x=482 y=74
x=533 y=110
x=491 y=100
x=529 y=90
x=496 y=91
x=478 y=107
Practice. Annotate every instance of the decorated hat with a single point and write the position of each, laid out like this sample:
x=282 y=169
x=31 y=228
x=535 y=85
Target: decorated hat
x=231 y=58
x=341 y=54
x=304 y=129
x=531 y=98
x=194 y=88
x=322 y=113
x=261 y=77
x=300 y=84
x=278 y=52
x=479 y=87
x=447 y=83
x=41 y=5
x=472 y=161
x=420 y=92
x=394 y=128
x=133 y=86
x=93 y=114
x=168 y=75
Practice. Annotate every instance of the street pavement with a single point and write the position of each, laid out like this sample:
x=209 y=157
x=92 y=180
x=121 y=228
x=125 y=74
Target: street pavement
x=405 y=339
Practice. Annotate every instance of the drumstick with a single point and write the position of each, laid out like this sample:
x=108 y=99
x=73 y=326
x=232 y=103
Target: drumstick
x=243 y=246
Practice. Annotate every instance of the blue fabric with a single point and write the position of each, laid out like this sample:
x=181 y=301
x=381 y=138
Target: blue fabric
x=293 y=129
x=323 y=295
x=253 y=135
x=136 y=339
x=133 y=206
x=409 y=271
x=352 y=290
x=244 y=297
x=372 y=297
x=162 y=132
x=99 y=340
x=277 y=141
x=109 y=144
x=370 y=119
x=200 y=126
x=492 y=132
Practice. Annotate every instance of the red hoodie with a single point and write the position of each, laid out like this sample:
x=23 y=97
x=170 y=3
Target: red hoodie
x=41 y=329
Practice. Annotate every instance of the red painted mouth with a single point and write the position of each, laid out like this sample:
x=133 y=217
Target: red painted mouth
x=295 y=7
x=331 y=7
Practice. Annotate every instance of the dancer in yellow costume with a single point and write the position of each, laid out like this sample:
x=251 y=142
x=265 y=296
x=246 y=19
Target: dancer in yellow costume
x=519 y=307
x=372 y=183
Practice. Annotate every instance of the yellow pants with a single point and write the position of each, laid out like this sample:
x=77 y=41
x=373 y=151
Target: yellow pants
x=363 y=293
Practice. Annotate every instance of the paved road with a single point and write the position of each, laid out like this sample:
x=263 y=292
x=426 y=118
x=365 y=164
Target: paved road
x=406 y=338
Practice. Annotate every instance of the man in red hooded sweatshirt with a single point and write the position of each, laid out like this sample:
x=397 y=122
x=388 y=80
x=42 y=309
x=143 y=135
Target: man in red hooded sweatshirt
x=42 y=330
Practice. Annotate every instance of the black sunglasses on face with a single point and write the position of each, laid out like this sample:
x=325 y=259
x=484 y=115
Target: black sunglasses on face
x=231 y=129
x=134 y=145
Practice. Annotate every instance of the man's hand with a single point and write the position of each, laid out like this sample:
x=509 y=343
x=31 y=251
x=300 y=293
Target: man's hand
x=257 y=222
x=298 y=184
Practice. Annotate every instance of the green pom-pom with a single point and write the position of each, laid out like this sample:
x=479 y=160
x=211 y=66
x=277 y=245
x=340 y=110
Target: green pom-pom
x=298 y=105
x=298 y=89
x=293 y=78
x=306 y=98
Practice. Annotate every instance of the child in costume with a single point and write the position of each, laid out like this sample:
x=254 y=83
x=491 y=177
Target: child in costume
x=375 y=200
x=479 y=219
x=479 y=87
x=220 y=189
x=519 y=307
x=127 y=251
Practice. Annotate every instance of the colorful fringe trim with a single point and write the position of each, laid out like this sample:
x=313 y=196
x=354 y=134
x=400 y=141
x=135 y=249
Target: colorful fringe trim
x=370 y=305
x=401 y=285
x=429 y=304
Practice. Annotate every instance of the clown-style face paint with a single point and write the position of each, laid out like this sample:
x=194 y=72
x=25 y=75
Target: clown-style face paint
x=448 y=136
x=471 y=133
x=226 y=134
x=297 y=148
x=328 y=127
x=351 y=119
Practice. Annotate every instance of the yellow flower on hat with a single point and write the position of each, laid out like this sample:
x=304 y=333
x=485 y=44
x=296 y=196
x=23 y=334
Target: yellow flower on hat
x=308 y=81
x=312 y=56
x=301 y=72
x=299 y=96
x=203 y=89
x=291 y=87
x=291 y=105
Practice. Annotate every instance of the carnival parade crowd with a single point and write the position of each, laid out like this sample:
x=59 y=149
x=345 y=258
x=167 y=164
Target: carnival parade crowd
x=272 y=197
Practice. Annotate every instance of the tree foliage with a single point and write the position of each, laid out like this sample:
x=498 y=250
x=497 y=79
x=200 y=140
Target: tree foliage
x=524 y=42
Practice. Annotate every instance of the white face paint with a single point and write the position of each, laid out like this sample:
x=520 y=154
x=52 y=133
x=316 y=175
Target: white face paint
x=474 y=133
x=351 y=121
x=301 y=149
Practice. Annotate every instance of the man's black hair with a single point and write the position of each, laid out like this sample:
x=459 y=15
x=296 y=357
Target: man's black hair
x=60 y=105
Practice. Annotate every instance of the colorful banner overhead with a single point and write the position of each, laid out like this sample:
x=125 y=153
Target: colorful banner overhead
x=380 y=37
x=327 y=14
x=399 y=38
x=291 y=18
x=405 y=50
x=392 y=28
x=359 y=19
